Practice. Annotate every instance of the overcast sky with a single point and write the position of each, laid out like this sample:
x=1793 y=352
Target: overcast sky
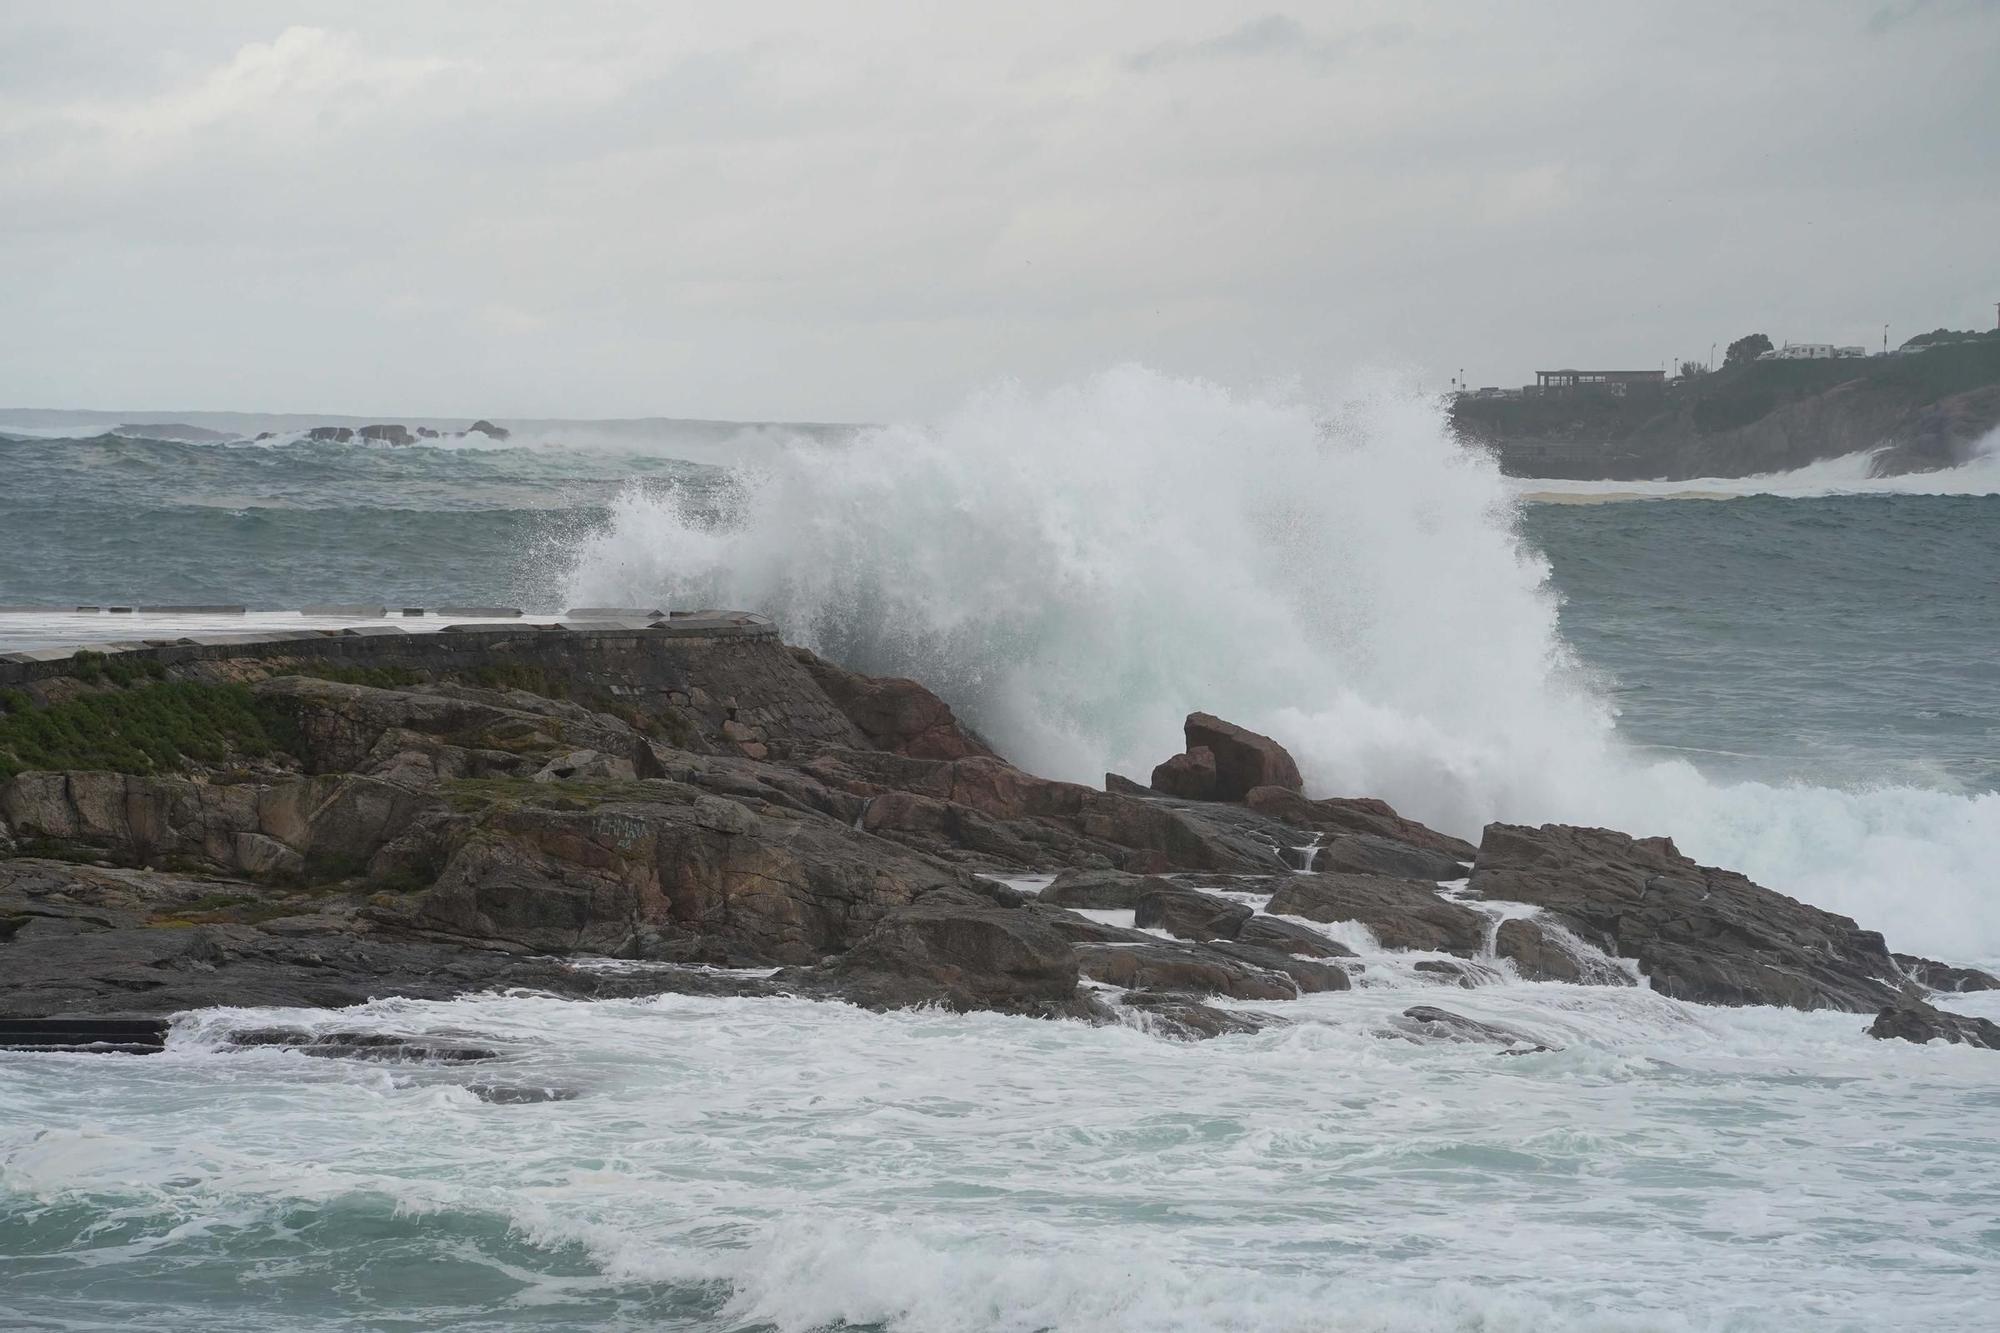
x=861 y=212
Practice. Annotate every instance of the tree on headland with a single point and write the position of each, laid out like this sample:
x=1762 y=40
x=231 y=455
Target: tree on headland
x=1690 y=369
x=1747 y=348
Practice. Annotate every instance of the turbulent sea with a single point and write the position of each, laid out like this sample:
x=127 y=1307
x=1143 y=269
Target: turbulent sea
x=1800 y=680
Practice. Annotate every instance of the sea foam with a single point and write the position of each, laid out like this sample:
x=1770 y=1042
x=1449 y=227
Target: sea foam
x=1076 y=570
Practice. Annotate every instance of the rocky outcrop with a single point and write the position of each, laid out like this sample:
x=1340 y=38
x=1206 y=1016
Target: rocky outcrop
x=1698 y=933
x=1913 y=1020
x=957 y=950
x=388 y=434
x=1372 y=854
x=1542 y=954
x=1400 y=913
x=467 y=813
x=488 y=429
x=894 y=714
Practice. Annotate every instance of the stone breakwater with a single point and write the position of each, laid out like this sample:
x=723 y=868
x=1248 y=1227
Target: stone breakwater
x=329 y=816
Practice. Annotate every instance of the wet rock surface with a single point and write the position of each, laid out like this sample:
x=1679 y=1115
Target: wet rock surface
x=1913 y=1020
x=1400 y=913
x=752 y=821
x=1697 y=932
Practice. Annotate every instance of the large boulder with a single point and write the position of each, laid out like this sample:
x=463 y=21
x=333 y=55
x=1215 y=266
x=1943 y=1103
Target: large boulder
x=1244 y=759
x=1400 y=913
x=1189 y=914
x=1190 y=776
x=958 y=950
x=1698 y=933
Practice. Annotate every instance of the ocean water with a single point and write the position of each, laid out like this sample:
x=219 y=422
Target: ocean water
x=1799 y=681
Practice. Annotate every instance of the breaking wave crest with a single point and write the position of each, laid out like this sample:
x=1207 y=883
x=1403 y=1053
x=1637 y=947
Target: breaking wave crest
x=1077 y=570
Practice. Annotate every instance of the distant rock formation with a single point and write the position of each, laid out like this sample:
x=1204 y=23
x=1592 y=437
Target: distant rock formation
x=488 y=429
x=390 y=434
x=335 y=434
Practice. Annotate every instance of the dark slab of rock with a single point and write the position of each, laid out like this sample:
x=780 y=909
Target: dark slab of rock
x=1454 y=973
x=1267 y=932
x=1349 y=814
x=897 y=715
x=1943 y=976
x=1190 y=776
x=388 y=434
x=357 y=1045
x=1401 y=913
x=1119 y=785
x=1307 y=975
x=488 y=429
x=1244 y=759
x=1541 y=955
x=1699 y=933
x=1184 y=1017
x=336 y=434
x=1913 y=1020
x=1425 y=1022
x=1371 y=854
x=1181 y=967
x=1190 y=915
x=510 y=1094
x=1082 y=930
x=1103 y=890
x=956 y=950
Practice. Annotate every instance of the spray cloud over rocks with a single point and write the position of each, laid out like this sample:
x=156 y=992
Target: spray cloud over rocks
x=1078 y=570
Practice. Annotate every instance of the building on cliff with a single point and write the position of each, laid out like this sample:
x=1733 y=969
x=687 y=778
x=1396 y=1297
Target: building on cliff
x=1811 y=352
x=1616 y=383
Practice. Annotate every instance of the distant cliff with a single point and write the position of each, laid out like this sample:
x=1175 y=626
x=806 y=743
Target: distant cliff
x=1925 y=410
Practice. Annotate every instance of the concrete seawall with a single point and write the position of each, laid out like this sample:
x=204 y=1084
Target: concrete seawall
x=447 y=647
x=719 y=681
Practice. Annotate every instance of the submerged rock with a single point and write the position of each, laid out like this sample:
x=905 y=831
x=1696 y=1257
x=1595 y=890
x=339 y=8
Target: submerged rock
x=356 y=1045
x=1425 y=1022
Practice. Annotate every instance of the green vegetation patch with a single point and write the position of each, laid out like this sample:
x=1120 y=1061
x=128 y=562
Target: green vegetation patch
x=380 y=678
x=148 y=729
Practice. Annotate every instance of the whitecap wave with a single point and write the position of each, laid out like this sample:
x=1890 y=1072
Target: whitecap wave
x=1849 y=474
x=1078 y=570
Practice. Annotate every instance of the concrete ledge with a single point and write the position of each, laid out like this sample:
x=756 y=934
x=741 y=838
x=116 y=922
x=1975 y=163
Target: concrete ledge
x=602 y=613
x=348 y=612
x=193 y=610
x=452 y=647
